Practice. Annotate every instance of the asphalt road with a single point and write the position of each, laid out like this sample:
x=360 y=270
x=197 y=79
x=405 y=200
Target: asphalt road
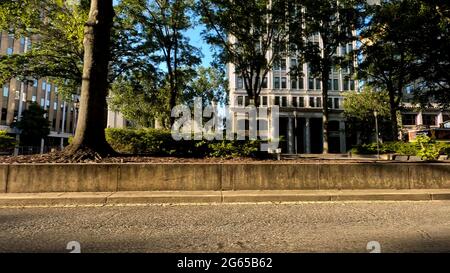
x=302 y=227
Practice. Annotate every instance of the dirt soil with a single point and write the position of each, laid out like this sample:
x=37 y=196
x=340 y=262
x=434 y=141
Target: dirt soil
x=57 y=158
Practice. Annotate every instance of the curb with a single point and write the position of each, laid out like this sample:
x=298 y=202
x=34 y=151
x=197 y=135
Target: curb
x=215 y=197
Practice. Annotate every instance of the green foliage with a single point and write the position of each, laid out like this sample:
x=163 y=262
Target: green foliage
x=424 y=147
x=249 y=24
x=428 y=150
x=210 y=84
x=58 y=53
x=141 y=99
x=33 y=126
x=234 y=148
x=6 y=142
x=400 y=148
x=161 y=27
x=57 y=50
x=160 y=143
x=359 y=110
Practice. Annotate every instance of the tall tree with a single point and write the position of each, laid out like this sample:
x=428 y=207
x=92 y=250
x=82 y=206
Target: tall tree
x=33 y=125
x=359 y=108
x=56 y=34
x=210 y=84
x=250 y=34
x=163 y=24
x=389 y=59
x=89 y=140
x=142 y=100
x=335 y=23
x=430 y=42
x=57 y=49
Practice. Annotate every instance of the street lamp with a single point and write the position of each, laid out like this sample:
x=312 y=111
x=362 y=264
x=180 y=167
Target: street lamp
x=375 y=113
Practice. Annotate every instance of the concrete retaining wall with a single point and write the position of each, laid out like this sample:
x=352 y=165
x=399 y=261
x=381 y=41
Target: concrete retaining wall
x=34 y=178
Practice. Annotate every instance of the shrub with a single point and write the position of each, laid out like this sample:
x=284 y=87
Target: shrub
x=234 y=148
x=7 y=142
x=428 y=150
x=156 y=142
x=142 y=141
x=396 y=147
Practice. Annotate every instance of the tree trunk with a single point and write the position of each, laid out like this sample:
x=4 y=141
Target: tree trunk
x=393 y=115
x=90 y=138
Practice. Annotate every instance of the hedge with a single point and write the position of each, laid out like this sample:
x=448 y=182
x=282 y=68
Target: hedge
x=404 y=148
x=7 y=143
x=157 y=142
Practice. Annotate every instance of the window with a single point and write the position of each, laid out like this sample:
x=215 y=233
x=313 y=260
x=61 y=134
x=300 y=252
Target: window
x=277 y=101
x=283 y=64
x=264 y=83
x=318 y=84
x=311 y=102
x=330 y=103
x=42 y=102
x=247 y=100
x=345 y=85
x=283 y=83
x=22 y=44
x=352 y=85
x=276 y=65
x=276 y=82
x=301 y=102
x=55 y=106
x=319 y=102
x=329 y=85
x=33 y=98
x=49 y=88
x=429 y=120
x=35 y=83
x=6 y=91
x=294 y=102
x=336 y=103
x=311 y=84
x=284 y=101
x=44 y=86
x=240 y=101
x=300 y=84
x=336 y=84
x=294 y=83
x=409 y=119
x=10 y=49
x=239 y=83
x=264 y=101
x=294 y=64
x=4 y=114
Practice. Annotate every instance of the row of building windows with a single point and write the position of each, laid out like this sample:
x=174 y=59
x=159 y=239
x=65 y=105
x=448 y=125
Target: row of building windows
x=11 y=41
x=283 y=101
x=298 y=84
x=427 y=119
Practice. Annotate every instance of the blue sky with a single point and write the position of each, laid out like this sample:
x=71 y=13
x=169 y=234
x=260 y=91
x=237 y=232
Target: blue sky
x=197 y=41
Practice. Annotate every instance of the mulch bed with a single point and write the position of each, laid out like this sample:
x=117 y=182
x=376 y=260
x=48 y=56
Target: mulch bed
x=57 y=158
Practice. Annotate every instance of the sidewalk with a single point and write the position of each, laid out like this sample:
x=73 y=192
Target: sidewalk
x=197 y=197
